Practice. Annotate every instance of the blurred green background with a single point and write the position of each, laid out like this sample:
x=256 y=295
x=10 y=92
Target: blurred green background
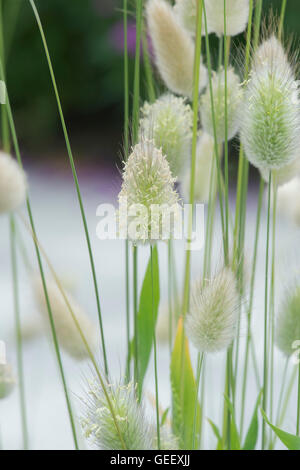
x=85 y=39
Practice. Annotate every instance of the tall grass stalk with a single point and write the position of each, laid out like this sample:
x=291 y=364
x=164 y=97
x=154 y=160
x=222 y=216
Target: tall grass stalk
x=18 y=333
x=75 y=177
x=200 y=358
x=249 y=312
x=155 y=353
x=298 y=404
x=266 y=319
x=126 y=151
x=77 y=324
x=51 y=321
x=194 y=150
x=218 y=166
x=14 y=262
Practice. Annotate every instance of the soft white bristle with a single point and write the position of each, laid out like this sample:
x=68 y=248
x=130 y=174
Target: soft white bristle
x=174 y=49
x=212 y=318
x=13 y=184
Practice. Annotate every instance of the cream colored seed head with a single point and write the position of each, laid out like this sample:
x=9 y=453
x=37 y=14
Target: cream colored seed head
x=174 y=49
x=13 y=184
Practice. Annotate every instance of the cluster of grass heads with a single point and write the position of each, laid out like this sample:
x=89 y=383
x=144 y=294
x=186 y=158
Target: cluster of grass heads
x=208 y=313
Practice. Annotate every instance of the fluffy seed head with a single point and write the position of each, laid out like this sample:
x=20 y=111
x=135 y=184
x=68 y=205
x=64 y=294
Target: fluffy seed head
x=7 y=380
x=288 y=321
x=174 y=49
x=169 y=123
x=271 y=55
x=237 y=14
x=284 y=174
x=186 y=11
x=271 y=112
x=211 y=322
x=148 y=186
x=66 y=329
x=99 y=425
x=204 y=162
x=13 y=184
x=234 y=103
x=288 y=200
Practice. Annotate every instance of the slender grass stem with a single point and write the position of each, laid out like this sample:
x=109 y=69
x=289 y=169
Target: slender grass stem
x=198 y=377
x=155 y=354
x=135 y=313
x=14 y=264
x=249 y=313
x=298 y=404
x=281 y=21
x=170 y=308
x=77 y=325
x=52 y=326
x=257 y=18
x=226 y=135
x=18 y=333
x=218 y=166
x=72 y=164
x=283 y=383
x=272 y=298
x=266 y=319
x=126 y=148
x=136 y=84
x=194 y=150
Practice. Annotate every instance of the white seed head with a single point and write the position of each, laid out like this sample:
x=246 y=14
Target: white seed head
x=212 y=318
x=271 y=55
x=234 y=103
x=237 y=14
x=68 y=335
x=284 y=174
x=148 y=187
x=99 y=425
x=288 y=321
x=204 y=162
x=169 y=123
x=186 y=11
x=174 y=49
x=7 y=380
x=271 y=112
x=288 y=200
x=13 y=184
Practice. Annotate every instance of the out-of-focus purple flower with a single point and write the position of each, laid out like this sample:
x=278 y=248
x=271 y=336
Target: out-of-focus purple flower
x=116 y=36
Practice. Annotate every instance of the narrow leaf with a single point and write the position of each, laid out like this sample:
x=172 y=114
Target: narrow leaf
x=184 y=392
x=145 y=317
x=252 y=434
x=217 y=434
x=291 y=441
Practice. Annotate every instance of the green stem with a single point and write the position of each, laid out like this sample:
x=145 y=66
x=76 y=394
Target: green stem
x=170 y=310
x=272 y=298
x=198 y=376
x=136 y=85
x=265 y=379
x=257 y=18
x=155 y=354
x=52 y=326
x=200 y=5
x=18 y=332
x=209 y=67
x=226 y=137
x=72 y=164
x=126 y=148
x=281 y=21
x=135 y=314
x=298 y=404
x=249 y=315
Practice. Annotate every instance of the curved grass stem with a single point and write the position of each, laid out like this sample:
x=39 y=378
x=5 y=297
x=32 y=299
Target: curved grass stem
x=74 y=173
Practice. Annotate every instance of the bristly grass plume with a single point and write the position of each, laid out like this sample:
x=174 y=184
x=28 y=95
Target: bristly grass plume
x=169 y=123
x=7 y=380
x=13 y=184
x=212 y=319
x=98 y=423
x=288 y=321
x=174 y=49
